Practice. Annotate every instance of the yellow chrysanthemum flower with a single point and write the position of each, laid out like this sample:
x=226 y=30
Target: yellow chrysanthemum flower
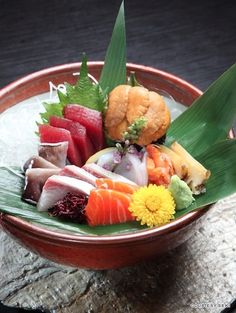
x=152 y=205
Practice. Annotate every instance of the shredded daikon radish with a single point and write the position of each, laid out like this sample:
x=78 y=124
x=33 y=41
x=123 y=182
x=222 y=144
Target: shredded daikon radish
x=89 y=75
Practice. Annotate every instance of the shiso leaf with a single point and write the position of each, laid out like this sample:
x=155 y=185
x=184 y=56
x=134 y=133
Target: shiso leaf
x=84 y=92
x=114 y=69
x=11 y=187
x=209 y=118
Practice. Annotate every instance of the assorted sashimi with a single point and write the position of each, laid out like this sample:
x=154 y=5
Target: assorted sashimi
x=135 y=179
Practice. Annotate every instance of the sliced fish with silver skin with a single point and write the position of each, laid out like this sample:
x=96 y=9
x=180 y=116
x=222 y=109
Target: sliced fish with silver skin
x=78 y=173
x=56 y=153
x=56 y=187
x=38 y=162
x=35 y=179
x=100 y=172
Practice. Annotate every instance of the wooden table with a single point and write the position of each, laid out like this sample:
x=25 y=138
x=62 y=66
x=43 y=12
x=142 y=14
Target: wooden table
x=195 y=42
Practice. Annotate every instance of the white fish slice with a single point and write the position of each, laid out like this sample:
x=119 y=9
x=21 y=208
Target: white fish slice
x=56 y=187
x=79 y=173
x=101 y=172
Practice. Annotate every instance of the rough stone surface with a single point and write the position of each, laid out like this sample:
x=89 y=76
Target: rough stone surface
x=198 y=276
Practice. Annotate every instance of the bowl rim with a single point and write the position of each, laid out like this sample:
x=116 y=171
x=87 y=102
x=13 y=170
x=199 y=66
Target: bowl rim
x=121 y=238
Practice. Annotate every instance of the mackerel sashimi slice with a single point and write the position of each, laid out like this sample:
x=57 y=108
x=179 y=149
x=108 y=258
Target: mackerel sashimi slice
x=78 y=133
x=90 y=119
x=56 y=188
x=79 y=173
x=55 y=153
x=52 y=134
x=107 y=207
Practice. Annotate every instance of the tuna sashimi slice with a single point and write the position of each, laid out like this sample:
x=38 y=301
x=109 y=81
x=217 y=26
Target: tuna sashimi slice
x=91 y=119
x=101 y=172
x=107 y=207
x=52 y=134
x=56 y=187
x=79 y=173
x=78 y=133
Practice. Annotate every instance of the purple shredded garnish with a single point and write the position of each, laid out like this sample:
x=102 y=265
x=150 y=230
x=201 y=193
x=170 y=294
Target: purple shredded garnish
x=70 y=208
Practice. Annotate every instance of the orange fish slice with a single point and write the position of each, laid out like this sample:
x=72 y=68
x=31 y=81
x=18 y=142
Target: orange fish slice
x=107 y=207
x=106 y=183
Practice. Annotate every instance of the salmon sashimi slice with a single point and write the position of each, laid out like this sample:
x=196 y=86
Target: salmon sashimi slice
x=106 y=183
x=79 y=173
x=107 y=207
x=56 y=188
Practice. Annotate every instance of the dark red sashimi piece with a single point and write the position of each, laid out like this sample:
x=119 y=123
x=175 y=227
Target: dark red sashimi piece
x=91 y=119
x=78 y=133
x=52 y=134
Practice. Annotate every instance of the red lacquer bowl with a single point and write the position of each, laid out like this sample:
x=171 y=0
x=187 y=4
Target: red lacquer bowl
x=99 y=252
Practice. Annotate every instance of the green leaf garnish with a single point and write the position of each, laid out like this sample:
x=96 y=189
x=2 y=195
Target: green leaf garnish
x=84 y=92
x=134 y=130
x=114 y=69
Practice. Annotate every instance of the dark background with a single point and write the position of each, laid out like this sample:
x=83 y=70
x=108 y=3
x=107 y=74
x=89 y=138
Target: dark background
x=195 y=40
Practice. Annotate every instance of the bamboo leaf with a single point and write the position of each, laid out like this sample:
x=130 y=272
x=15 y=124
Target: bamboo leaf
x=209 y=118
x=220 y=159
x=114 y=69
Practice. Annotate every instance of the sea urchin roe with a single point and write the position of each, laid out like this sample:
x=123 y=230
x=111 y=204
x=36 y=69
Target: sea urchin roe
x=70 y=208
x=127 y=105
x=152 y=205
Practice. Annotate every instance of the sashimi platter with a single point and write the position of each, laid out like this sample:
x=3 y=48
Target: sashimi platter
x=110 y=154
